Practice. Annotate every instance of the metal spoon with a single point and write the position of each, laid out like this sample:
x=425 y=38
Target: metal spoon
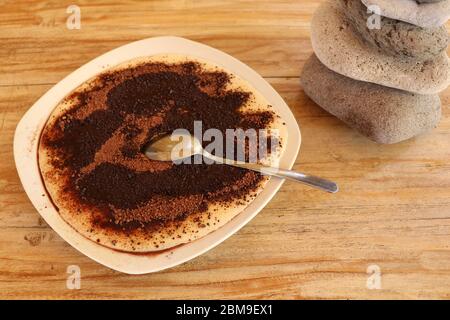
x=163 y=150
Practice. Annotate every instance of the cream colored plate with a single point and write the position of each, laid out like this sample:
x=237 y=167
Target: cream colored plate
x=28 y=131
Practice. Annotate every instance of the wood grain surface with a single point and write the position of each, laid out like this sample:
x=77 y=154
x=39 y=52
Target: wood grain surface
x=393 y=210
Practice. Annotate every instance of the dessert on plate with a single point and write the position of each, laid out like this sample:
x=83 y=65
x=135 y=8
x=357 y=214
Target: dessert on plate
x=93 y=166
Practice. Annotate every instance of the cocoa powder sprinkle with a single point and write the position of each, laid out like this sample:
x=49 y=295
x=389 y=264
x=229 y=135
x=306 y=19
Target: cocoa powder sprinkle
x=134 y=106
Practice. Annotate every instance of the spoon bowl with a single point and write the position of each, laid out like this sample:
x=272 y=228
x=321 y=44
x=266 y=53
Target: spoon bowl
x=173 y=148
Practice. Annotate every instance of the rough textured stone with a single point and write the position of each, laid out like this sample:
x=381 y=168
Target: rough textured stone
x=396 y=37
x=338 y=47
x=384 y=115
x=425 y=14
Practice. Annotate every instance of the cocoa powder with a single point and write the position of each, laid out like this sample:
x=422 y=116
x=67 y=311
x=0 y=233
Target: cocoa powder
x=133 y=106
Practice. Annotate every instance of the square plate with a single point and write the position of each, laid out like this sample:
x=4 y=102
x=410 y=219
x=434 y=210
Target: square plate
x=28 y=131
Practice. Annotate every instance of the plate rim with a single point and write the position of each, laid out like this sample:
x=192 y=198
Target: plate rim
x=29 y=128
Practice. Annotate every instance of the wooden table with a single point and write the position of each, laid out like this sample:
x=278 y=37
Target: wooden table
x=393 y=210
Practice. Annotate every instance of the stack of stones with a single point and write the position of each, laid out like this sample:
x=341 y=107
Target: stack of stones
x=382 y=80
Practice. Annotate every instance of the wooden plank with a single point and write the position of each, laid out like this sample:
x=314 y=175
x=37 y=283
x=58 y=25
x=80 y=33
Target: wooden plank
x=58 y=57
x=393 y=211
x=242 y=267
x=270 y=36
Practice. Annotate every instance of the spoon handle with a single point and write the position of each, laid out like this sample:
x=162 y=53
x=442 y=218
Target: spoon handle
x=312 y=181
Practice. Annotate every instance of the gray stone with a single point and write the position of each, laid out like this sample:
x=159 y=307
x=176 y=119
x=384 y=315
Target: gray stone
x=427 y=14
x=340 y=49
x=384 y=115
x=396 y=37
